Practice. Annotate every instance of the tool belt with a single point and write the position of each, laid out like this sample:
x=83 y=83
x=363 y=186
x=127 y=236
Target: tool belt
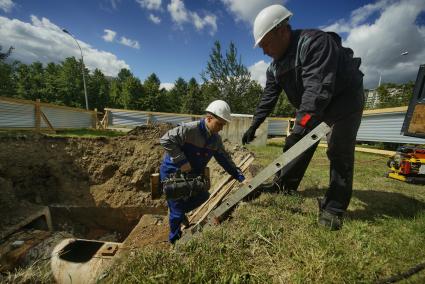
x=183 y=186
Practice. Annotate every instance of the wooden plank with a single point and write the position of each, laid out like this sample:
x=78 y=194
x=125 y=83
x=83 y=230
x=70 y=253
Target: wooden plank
x=37 y=115
x=217 y=189
x=385 y=110
x=223 y=193
x=417 y=123
x=367 y=150
x=46 y=120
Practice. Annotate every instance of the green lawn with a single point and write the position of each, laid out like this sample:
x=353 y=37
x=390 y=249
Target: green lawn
x=275 y=238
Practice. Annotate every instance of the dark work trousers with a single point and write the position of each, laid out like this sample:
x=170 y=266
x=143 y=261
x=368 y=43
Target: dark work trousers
x=341 y=143
x=178 y=209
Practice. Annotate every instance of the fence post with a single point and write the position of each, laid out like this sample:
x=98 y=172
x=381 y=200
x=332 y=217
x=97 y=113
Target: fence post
x=37 y=112
x=95 y=120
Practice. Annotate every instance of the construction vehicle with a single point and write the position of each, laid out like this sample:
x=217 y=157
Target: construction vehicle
x=408 y=164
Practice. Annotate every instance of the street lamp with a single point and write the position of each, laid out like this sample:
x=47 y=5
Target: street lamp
x=380 y=74
x=82 y=67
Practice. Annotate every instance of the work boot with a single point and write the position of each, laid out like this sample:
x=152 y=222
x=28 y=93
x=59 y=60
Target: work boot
x=330 y=221
x=327 y=219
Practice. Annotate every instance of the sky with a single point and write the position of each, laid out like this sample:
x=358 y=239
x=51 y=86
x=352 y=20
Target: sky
x=174 y=38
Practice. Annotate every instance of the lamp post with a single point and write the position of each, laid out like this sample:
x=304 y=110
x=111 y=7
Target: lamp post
x=82 y=67
x=380 y=73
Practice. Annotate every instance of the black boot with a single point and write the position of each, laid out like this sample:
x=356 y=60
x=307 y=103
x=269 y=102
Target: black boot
x=327 y=219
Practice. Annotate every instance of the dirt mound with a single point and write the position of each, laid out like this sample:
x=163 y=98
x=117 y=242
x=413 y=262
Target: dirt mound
x=111 y=172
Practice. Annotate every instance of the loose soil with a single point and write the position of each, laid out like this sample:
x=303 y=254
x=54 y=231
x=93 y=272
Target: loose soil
x=96 y=172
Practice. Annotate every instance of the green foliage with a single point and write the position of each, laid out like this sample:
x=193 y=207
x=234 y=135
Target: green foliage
x=192 y=102
x=284 y=107
x=174 y=98
x=394 y=95
x=231 y=79
x=154 y=96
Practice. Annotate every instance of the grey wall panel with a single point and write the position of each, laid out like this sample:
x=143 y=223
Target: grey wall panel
x=385 y=127
x=64 y=118
x=125 y=118
x=233 y=131
x=16 y=115
x=277 y=127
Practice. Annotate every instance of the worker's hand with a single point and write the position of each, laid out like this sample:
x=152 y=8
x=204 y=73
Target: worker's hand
x=291 y=140
x=240 y=177
x=185 y=168
x=249 y=135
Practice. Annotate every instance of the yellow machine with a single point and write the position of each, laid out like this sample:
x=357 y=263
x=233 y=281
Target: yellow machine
x=408 y=164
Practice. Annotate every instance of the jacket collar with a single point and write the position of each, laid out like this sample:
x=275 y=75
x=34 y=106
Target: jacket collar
x=287 y=62
x=203 y=128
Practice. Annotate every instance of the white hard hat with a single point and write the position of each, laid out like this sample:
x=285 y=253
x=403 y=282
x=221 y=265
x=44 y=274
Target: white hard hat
x=267 y=19
x=221 y=109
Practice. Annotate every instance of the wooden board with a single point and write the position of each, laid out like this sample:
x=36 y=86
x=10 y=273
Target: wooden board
x=417 y=123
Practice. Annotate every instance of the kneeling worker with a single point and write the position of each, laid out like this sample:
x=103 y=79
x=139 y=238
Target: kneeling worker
x=189 y=148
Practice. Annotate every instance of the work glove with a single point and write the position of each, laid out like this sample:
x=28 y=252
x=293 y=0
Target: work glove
x=249 y=135
x=239 y=176
x=303 y=126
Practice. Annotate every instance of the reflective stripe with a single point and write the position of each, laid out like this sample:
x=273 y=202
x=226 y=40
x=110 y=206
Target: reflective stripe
x=305 y=119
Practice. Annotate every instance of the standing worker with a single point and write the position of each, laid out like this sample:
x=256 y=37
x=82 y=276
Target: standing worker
x=189 y=148
x=322 y=80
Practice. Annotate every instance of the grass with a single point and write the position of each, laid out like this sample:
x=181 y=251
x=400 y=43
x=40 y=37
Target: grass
x=275 y=238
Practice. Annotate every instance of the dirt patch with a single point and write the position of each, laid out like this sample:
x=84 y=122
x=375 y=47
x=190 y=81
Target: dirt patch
x=100 y=172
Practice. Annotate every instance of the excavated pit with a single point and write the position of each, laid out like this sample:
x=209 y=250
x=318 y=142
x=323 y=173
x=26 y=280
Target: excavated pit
x=94 y=189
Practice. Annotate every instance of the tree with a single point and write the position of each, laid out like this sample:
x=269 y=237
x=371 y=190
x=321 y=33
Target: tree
x=394 y=95
x=284 y=107
x=3 y=56
x=7 y=83
x=98 y=90
x=51 y=83
x=131 y=93
x=70 y=82
x=192 y=102
x=174 y=97
x=154 y=97
x=230 y=77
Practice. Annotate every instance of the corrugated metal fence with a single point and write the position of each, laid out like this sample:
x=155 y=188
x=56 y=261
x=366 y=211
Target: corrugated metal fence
x=24 y=114
x=382 y=125
x=119 y=118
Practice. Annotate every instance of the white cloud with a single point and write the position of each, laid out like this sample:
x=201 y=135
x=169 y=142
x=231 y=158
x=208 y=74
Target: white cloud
x=109 y=35
x=258 y=72
x=129 y=42
x=44 y=41
x=178 y=11
x=180 y=15
x=6 y=5
x=381 y=43
x=154 y=19
x=150 y=4
x=167 y=86
x=247 y=10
